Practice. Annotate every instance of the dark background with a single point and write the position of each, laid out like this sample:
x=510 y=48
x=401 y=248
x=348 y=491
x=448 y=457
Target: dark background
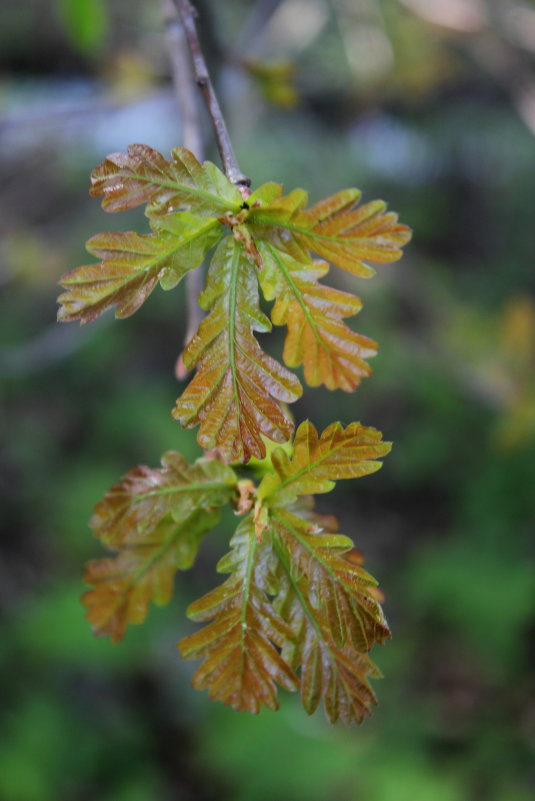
x=429 y=104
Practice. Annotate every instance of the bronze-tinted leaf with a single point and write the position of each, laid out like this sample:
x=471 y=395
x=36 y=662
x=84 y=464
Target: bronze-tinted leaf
x=143 y=175
x=143 y=497
x=337 y=229
x=339 y=677
x=337 y=588
x=331 y=353
x=132 y=264
x=317 y=462
x=328 y=602
x=236 y=392
x=242 y=665
x=143 y=571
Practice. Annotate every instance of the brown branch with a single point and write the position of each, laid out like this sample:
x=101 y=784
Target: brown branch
x=230 y=165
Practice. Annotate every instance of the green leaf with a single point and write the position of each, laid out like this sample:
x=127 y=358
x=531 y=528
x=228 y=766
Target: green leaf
x=332 y=354
x=236 y=392
x=132 y=264
x=317 y=463
x=242 y=665
x=143 y=175
x=335 y=229
x=84 y=21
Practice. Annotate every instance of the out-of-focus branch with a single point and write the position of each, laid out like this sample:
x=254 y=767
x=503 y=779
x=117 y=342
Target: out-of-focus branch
x=229 y=161
x=192 y=139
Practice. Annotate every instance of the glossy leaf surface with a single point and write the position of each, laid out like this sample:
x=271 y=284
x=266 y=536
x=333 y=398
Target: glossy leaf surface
x=236 y=392
x=143 y=571
x=317 y=462
x=335 y=585
x=328 y=601
x=155 y=519
x=242 y=664
x=331 y=353
x=336 y=228
x=144 y=496
x=132 y=264
x=143 y=175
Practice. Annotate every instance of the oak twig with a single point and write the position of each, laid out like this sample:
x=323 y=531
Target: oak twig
x=230 y=165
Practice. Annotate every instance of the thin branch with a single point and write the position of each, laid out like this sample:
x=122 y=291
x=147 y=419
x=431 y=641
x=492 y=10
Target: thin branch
x=192 y=139
x=183 y=81
x=228 y=159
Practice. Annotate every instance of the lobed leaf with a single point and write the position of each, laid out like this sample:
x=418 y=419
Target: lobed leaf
x=242 y=664
x=328 y=602
x=132 y=264
x=332 y=354
x=143 y=497
x=335 y=229
x=155 y=520
x=337 y=586
x=143 y=175
x=143 y=571
x=236 y=392
x=317 y=462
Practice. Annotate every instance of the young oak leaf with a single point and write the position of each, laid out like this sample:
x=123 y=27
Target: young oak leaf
x=242 y=665
x=339 y=676
x=337 y=673
x=336 y=228
x=337 y=587
x=235 y=392
x=317 y=462
x=332 y=354
x=143 y=571
x=132 y=264
x=143 y=175
x=143 y=497
x=155 y=519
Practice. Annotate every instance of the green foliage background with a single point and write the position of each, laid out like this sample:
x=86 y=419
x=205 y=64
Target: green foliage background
x=443 y=135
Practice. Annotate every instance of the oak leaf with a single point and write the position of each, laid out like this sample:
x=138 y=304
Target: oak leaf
x=336 y=229
x=336 y=586
x=155 y=520
x=236 y=392
x=331 y=353
x=144 y=496
x=143 y=175
x=242 y=664
x=317 y=462
x=143 y=571
x=132 y=264
x=328 y=602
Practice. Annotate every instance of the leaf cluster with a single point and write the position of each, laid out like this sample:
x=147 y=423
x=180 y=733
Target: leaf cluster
x=268 y=242
x=297 y=610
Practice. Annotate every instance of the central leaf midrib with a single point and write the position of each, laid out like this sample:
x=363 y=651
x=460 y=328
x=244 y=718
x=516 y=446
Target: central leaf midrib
x=158 y=260
x=245 y=597
x=232 y=327
x=189 y=189
x=338 y=238
x=194 y=487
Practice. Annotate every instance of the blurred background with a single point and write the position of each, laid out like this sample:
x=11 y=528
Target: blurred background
x=429 y=104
